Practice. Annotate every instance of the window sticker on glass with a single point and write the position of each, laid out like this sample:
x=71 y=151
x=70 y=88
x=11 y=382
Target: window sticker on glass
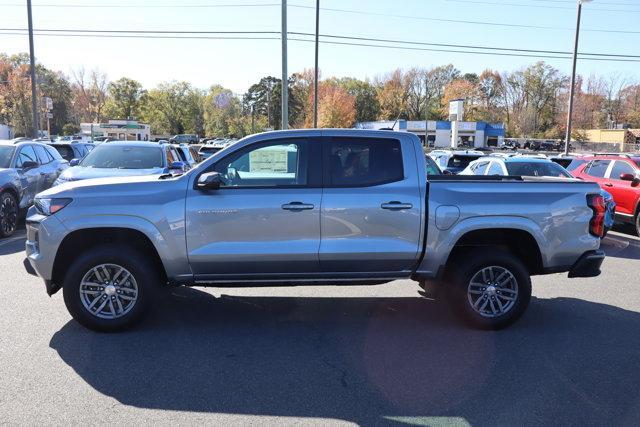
x=269 y=159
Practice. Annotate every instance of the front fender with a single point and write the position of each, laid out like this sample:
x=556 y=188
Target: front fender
x=171 y=250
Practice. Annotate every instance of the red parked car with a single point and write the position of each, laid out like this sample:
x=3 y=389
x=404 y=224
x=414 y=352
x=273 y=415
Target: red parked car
x=618 y=174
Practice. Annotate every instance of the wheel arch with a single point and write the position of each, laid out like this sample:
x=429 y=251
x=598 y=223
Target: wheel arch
x=81 y=240
x=517 y=241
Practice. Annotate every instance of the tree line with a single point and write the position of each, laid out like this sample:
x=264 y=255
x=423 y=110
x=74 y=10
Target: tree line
x=530 y=101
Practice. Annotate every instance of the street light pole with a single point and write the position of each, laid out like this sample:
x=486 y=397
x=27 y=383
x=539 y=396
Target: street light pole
x=32 y=60
x=567 y=139
x=316 y=73
x=285 y=73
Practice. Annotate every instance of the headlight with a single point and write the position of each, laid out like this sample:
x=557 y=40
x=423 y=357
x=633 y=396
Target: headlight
x=50 y=206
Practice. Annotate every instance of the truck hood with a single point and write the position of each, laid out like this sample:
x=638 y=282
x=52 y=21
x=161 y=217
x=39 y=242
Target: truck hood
x=78 y=173
x=107 y=187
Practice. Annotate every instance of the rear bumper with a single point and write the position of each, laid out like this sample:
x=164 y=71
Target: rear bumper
x=588 y=265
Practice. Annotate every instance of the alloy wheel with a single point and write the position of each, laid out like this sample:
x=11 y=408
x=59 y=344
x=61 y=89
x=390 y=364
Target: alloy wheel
x=108 y=291
x=8 y=215
x=492 y=291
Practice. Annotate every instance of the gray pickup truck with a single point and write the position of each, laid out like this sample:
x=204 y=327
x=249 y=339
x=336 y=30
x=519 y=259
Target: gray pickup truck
x=312 y=207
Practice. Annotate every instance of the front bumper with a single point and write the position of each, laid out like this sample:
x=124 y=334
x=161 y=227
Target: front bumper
x=44 y=235
x=588 y=265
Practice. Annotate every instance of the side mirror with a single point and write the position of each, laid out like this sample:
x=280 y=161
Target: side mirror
x=635 y=181
x=447 y=172
x=209 y=181
x=74 y=162
x=29 y=165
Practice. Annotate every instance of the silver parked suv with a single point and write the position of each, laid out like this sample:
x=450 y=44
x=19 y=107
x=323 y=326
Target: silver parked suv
x=26 y=168
x=312 y=206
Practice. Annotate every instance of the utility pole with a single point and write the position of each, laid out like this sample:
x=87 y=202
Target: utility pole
x=567 y=139
x=269 y=106
x=426 y=111
x=285 y=73
x=316 y=72
x=32 y=59
x=253 y=118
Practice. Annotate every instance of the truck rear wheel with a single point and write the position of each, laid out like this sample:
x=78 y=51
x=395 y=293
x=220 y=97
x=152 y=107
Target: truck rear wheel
x=490 y=288
x=109 y=288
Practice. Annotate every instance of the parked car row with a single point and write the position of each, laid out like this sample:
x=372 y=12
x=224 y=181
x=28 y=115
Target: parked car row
x=214 y=145
x=28 y=167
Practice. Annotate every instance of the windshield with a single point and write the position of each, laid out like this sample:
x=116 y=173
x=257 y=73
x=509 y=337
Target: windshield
x=123 y=157
x=537 y=169
x=6 y=153
x=461 y=161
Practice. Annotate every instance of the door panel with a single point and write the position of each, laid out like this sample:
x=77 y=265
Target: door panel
x=623 y=193
x=30 y=178
x=242 y=232
x=264 y=222
x=373 y=227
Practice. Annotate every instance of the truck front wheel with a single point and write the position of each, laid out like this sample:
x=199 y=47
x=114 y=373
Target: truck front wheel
x=490 y=288
x=108 y=288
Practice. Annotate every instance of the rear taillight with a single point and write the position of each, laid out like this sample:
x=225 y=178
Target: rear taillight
x=597 y=205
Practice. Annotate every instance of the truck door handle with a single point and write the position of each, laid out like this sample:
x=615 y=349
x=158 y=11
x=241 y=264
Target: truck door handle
x=297 y=206
x=396 y=206
x=608 y=185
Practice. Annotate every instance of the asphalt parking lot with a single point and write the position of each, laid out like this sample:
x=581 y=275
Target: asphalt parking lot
x=334 y=355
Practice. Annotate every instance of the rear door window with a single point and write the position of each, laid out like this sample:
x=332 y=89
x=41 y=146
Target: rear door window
x=363 y=162
x=621 y=167
x=597 y=168
x=43 y=157
x=53 y=152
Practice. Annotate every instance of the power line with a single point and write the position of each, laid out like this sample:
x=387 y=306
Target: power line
x=140 y=6
x=142 y=33
x=469 y=46
x=539 y=6
x=342 y=43
x=463 y=21
x=361 y=12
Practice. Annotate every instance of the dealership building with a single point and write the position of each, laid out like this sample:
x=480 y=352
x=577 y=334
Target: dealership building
x=438 y=133
x=125 y=130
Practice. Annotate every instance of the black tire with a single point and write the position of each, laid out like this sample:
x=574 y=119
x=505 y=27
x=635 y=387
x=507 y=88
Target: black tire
x=638 y=224
x=8 y=214
x=471 y=265
x=145 y=278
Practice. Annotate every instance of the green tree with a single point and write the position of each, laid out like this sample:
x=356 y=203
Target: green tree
x=125 y=99
x=173 y=108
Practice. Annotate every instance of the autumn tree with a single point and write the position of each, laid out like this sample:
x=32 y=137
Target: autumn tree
x=336 y=107
x=89 y=95
x=462 y=89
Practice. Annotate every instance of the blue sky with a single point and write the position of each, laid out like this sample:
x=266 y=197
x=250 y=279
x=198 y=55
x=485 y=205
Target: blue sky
x=238 y=63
